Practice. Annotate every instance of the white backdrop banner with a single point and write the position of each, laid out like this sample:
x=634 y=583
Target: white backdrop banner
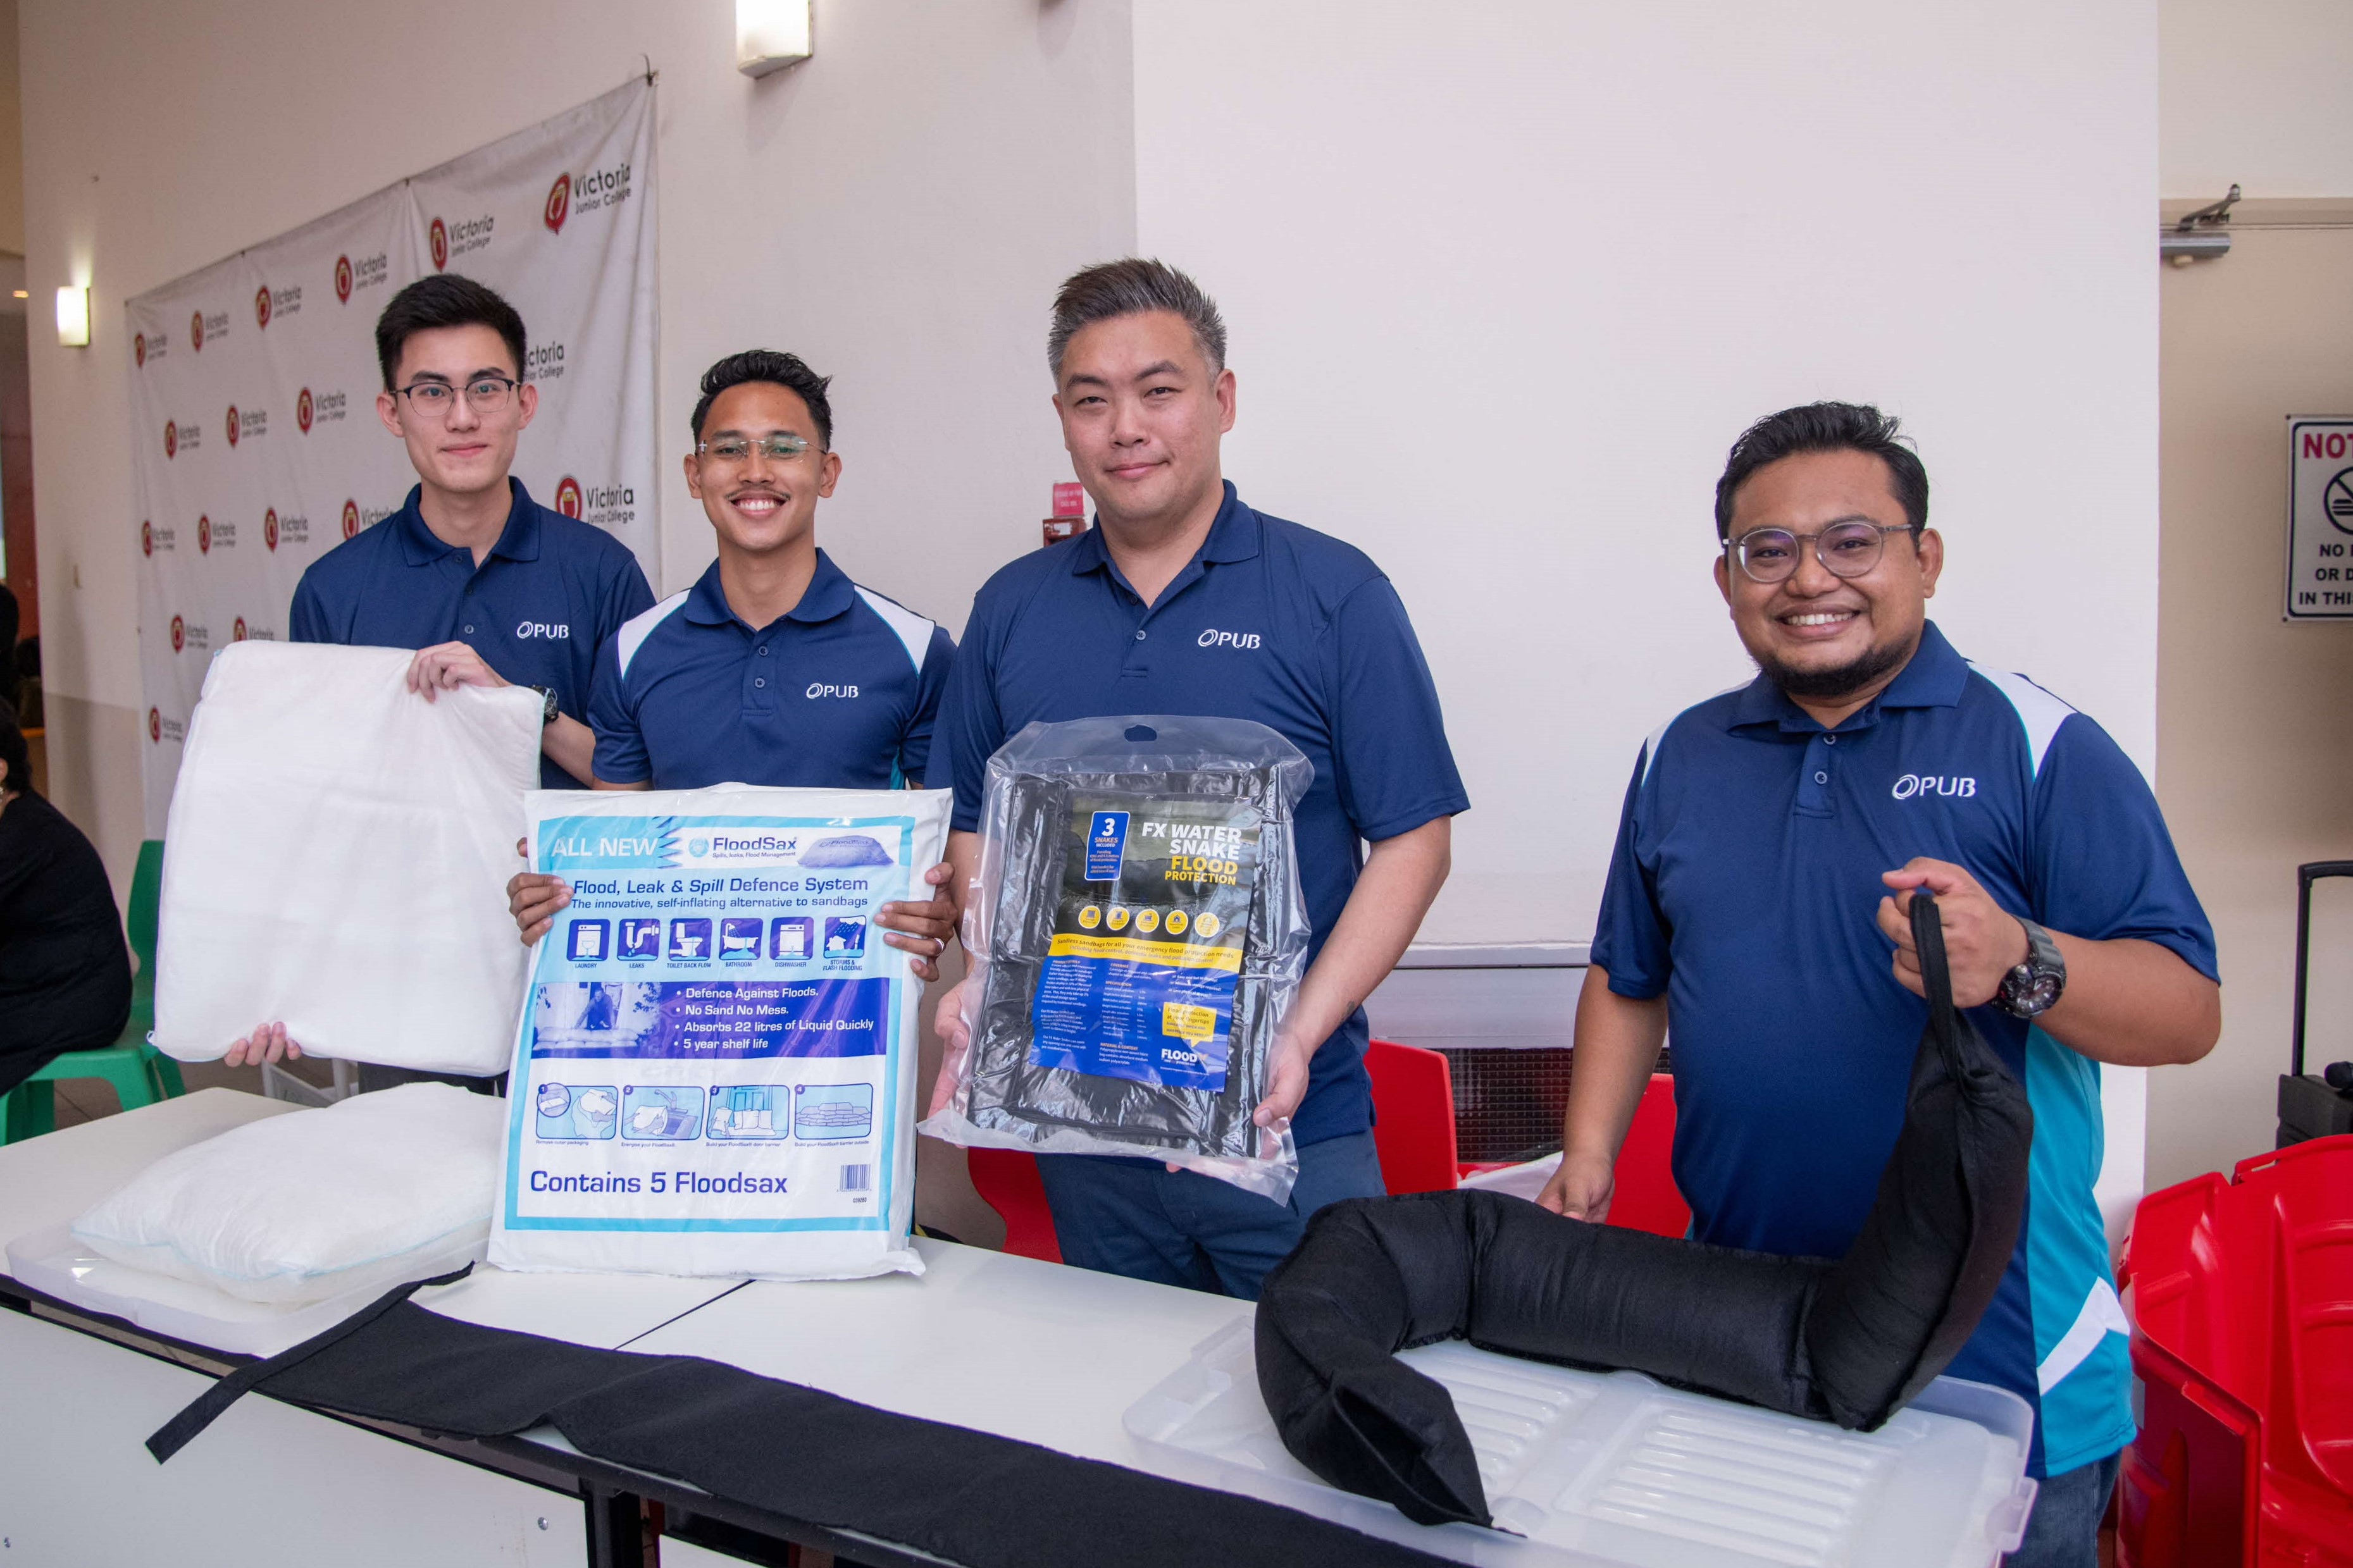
x=255 y=445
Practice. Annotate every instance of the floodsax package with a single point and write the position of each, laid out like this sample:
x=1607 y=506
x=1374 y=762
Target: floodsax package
x=1136 y=938
x=714 y=1071
x=336 y=859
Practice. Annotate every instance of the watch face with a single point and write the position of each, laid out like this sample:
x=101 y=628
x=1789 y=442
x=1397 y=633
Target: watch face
x=2028 y=992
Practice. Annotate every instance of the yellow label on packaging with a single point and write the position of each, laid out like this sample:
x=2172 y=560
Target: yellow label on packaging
x=1187 y=1020
x=1176 y=954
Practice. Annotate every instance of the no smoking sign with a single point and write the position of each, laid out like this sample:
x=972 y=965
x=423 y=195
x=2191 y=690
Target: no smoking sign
x=2320 y=518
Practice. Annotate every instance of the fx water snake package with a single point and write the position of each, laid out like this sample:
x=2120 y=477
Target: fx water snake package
x=1136 y=938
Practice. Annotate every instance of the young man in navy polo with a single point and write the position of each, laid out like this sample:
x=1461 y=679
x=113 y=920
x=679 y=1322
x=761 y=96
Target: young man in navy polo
x=775 y=668
x=1759 y=903
x=1183 y=600
x=488 y=586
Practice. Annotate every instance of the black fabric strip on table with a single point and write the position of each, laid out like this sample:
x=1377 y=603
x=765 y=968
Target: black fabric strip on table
x=969 y=1496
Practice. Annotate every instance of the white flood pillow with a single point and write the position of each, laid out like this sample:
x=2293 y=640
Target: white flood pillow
x=365 y=1195
x=336 y=858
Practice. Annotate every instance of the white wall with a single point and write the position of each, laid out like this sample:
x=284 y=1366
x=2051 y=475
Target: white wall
x=1504 y=280
x=897 y=210
x=2254 y=91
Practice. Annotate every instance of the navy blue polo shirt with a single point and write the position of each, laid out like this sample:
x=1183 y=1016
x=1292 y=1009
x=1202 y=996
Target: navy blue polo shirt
x=1745 y=889
x=548 y=596
x=836 y=693
x=1269 y=622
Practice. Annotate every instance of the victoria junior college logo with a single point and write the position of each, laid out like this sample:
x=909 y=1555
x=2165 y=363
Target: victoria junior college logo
x=302 y=411
x=146 y=539
x=171 y=438
x=559 y=203
x=438 y=238
x=232 y=424
x=139 y=349
x=154 y=725
x=179 y=634
x=261 y=307
x=342 y=279
x=269 y=528
x=351 y=519
x=197 y=331
x=205 y=535
x=567 y=496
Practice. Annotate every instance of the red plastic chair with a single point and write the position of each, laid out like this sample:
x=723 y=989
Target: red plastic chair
x=1413 y=1117
x=1646 y=1197
x=2241 y=1295
x=1008 y=1181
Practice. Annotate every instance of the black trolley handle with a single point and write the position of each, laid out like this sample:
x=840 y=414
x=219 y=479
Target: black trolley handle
x=2306 y=876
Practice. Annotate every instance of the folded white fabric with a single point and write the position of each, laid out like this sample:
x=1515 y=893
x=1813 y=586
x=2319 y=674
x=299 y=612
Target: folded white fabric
x=336 y=859
x=365 y=1195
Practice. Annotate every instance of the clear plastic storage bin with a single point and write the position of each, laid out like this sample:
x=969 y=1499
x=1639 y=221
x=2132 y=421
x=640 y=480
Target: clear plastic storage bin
x=1585 y=1468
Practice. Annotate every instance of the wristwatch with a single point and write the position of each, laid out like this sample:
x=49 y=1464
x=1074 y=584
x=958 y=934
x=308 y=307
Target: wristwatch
x=2034 y=987
x=547 y=703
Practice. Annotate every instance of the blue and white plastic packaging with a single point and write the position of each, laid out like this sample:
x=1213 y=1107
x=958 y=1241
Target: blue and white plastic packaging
x=714 y=1071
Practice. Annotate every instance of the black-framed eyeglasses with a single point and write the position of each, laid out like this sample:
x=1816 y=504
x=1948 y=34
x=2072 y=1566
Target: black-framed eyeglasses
x=733 y=451
x=483 y=394
x=1844 y=548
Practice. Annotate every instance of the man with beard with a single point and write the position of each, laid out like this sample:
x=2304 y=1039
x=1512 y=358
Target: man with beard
x=775 y=668
x=1768 y=851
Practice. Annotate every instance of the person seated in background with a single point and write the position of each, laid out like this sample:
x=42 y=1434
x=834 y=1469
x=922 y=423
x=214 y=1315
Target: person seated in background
x=775 y=668
x=65 y=970
x=491 y=587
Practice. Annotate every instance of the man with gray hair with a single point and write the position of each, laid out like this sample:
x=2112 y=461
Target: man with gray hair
x=1182 y=600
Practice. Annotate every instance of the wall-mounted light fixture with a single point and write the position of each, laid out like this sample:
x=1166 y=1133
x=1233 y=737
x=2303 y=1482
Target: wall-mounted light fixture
x=771 y=35
x=73 y=317
x=2201 y=236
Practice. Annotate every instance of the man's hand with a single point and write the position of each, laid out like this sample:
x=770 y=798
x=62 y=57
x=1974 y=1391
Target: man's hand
x=922 y=929
x=956 y=1044
x=1287 y=1084
x=447 y=666
x=1581 y=1188
x=266 y=1044
x=1982 y=943
x=534 y=898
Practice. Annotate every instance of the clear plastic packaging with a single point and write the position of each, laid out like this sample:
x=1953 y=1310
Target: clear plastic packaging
x=1136 y=938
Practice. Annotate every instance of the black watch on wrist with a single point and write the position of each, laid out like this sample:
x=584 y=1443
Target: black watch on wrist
x=547 y=709
x=2032 y=988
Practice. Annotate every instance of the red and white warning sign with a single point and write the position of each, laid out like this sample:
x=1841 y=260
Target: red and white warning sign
x=2320 y=518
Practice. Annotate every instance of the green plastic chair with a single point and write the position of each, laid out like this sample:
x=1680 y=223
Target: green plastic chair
x=140 y=1074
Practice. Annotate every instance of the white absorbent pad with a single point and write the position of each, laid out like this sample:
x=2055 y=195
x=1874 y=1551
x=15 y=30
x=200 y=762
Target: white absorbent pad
x=714 y=1069
x=336 y=859
x=365 y=1195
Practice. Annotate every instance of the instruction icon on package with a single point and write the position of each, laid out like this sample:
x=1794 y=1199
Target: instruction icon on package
x=844 y=936
x=739 y=938
x=789 y=938
x=586 y=944
x=690 y=940
x=669 y=1112
x=641 y=939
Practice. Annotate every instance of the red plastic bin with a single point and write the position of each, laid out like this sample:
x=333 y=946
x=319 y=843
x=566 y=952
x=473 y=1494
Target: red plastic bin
x=2240 y=1294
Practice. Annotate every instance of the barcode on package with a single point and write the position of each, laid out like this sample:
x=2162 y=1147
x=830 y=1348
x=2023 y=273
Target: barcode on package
x=857 y=1178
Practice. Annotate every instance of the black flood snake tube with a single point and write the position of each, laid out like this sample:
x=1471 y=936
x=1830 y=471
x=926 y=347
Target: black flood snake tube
x=1850 y=1342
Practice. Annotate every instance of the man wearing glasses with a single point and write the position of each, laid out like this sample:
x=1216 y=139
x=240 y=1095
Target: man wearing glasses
x=775 y=668
x=488 y=586
x=1759 y=901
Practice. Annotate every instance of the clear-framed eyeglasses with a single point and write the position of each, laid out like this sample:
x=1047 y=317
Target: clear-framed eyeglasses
x=733 y=451
x=483 y=394
x=1844 y=548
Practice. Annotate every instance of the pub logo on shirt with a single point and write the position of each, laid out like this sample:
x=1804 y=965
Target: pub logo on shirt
x=567 y=496
x=559 y=203
x=204 y=536
x=1912 y=786
x=1213 y=638
x=351 y=519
